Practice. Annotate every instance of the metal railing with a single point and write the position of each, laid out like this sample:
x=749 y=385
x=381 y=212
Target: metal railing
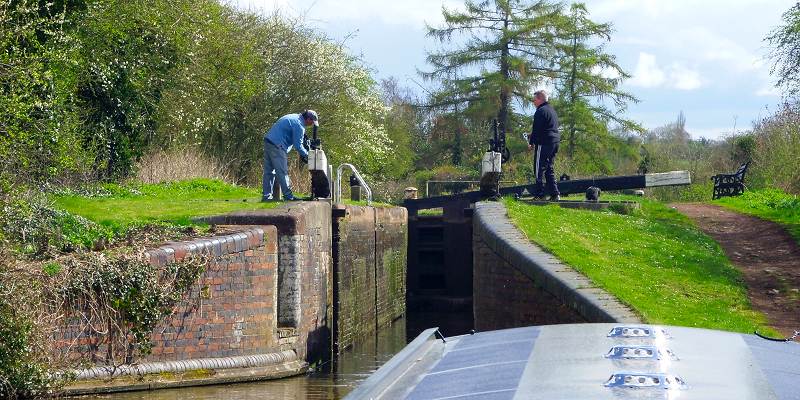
x=361 y=182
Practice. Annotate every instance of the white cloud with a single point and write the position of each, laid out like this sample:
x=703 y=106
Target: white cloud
x=701 y=43
x=683 y=78
x=647 y=73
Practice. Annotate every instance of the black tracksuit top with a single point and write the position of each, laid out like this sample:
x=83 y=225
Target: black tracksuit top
x=545 y=126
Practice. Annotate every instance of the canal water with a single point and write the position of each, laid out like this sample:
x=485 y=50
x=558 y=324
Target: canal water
x=332 y=381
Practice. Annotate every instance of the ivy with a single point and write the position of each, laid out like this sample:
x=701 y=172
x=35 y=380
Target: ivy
x=118 y=300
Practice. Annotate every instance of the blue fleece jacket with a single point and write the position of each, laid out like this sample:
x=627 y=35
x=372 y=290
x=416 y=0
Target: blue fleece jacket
x=287 y=132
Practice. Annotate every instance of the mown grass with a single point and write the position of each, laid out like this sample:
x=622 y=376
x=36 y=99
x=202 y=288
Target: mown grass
x=655 y=261
x=176 y=203
x=770 y=204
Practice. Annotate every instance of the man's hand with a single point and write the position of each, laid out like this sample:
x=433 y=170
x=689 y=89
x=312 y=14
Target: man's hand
x=530 y=147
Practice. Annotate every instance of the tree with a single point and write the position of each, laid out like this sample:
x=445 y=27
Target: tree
x=588 y=78
x=37 y=131
x=785 y=42
x=127 y=56
x=508 y=49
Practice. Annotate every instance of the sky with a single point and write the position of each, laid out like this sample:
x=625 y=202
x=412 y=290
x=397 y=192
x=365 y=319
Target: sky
x=705 y=58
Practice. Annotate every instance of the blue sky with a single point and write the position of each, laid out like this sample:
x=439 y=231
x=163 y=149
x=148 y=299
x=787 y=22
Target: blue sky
x=706 y=58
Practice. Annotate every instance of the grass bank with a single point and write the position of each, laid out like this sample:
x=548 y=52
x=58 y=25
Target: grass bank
x=770 y=204
x=116 y=206
x=655 y=260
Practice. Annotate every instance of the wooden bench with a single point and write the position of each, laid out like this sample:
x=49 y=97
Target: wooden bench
x=730 y=184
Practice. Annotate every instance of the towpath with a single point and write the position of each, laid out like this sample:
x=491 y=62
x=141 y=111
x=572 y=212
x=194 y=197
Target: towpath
x=767 y=255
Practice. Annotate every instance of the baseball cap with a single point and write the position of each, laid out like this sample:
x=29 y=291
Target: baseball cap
x=313 y=115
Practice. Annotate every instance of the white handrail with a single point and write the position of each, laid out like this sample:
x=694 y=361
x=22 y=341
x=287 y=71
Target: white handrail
x=361 y=181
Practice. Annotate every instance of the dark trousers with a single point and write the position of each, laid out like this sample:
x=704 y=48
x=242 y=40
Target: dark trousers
x=544 y=156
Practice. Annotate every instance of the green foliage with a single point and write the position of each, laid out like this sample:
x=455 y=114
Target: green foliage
x=248 y=70
x=444 y=173
x=37 y=130
x=504 y=49
x=589 y=79
x=510 y=44
x=785 y=43
x=87 y=88
x=128 y=295
x=36 y=227
x=126 y=59
x=22 y=375
x=671 y=148
x=400 y=123
x=776 y=152
x=655 y=261
x=770 y=204
x=696 y=192
x=51 y=268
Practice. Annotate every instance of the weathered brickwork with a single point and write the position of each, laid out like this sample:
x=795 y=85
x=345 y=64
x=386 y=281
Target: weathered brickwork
x=391 y=248
x=305 y=291
x=370 y=246
x=230 y=311
x=516 y=283
x=503 y=297
x=316 y=264
x=292 y=253
x=268 y=291
x=355 y=275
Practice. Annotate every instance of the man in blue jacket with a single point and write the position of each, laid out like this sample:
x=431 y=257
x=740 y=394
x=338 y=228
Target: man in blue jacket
x=544 y=141
x=286 y=133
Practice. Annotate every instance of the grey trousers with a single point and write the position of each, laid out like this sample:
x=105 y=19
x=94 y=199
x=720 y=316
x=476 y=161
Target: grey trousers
x=276 y=165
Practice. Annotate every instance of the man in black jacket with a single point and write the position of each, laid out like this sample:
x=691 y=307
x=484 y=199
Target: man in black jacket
x=543 y=141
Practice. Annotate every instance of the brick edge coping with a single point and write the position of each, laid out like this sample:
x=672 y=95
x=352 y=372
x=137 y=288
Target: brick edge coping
x=289 y=218
x=217 y=246
x=574 y=289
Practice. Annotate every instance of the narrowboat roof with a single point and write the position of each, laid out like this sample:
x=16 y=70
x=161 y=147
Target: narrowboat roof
x=589 y=361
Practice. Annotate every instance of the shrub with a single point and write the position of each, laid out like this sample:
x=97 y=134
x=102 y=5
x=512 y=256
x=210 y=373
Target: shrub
x=179 y=164
x=777 y=145
x=36 y=227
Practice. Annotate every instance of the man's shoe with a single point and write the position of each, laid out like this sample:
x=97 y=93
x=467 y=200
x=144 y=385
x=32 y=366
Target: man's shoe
x=290 y=198
x=555 y=198
x=266 y=199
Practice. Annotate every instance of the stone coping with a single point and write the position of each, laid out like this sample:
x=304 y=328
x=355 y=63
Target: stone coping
x=571 y=287
x=217 y=246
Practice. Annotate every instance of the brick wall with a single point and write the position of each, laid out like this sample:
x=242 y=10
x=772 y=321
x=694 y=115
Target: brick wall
x=516 y=283
x=230 y=311
x=305 y=292
x=269 y=288
x=503 y=297
x=370 y=246
x=391 y=249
